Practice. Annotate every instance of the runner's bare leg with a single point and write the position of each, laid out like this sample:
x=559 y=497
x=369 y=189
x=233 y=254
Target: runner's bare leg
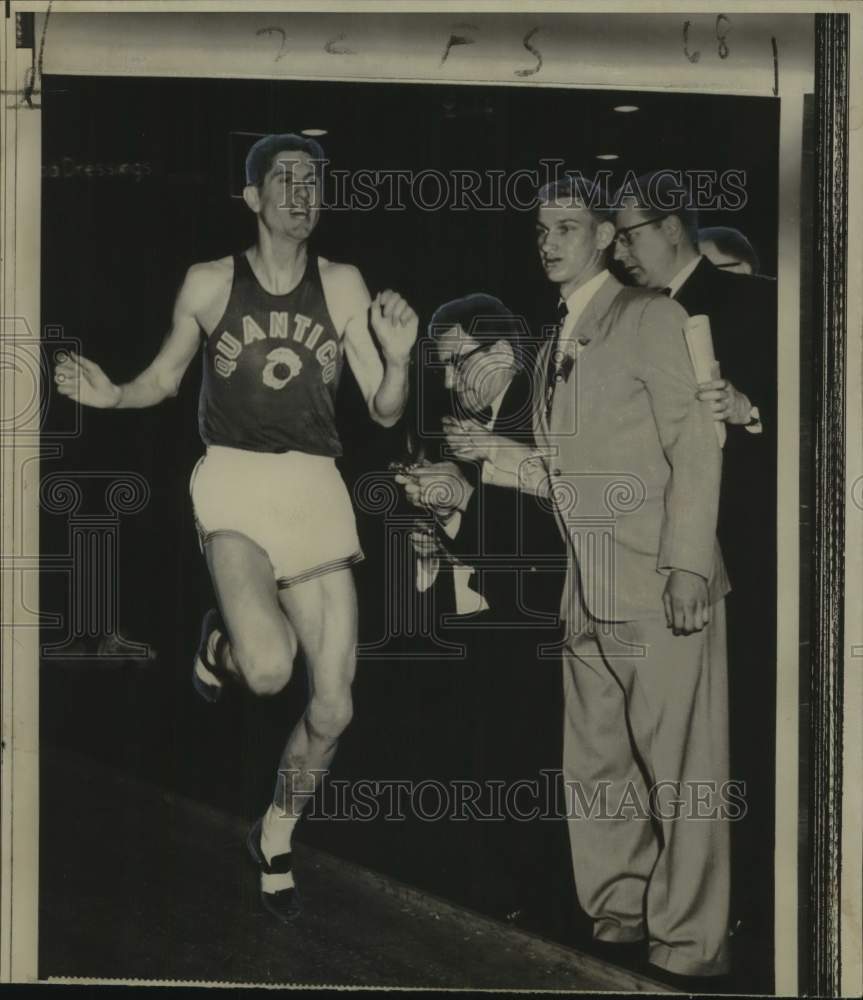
x=264 y=625
x=323 y=612
x=262 y=646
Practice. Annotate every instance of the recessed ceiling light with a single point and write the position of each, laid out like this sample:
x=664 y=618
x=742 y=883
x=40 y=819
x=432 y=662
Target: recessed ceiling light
x=315 y=131
x=626 y=109
x=607 y=156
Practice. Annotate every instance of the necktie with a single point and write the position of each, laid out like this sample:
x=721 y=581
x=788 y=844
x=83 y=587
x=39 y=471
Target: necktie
x=553 y=360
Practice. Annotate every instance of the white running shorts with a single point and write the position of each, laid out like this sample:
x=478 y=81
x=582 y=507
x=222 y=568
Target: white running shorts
x=293 y=506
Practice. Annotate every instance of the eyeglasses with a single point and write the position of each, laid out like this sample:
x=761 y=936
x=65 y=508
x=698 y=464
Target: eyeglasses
x=622 y=237
x=456 y=362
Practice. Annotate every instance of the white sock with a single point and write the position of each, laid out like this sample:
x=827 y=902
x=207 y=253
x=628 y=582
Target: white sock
x=207 y=676
x=277 y=830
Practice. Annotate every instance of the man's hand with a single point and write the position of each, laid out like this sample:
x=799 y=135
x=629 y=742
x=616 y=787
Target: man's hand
x=85 y=382
x=467 y=439
x=439 y=487
x=395 y=325
x=726 y=402
x=685 y=601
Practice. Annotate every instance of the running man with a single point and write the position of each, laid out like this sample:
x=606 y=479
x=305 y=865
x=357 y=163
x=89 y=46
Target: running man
x=274 y=517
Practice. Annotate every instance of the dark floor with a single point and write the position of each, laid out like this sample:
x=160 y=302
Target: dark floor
x=184 y=780
x=151 y=885
x=147 y=722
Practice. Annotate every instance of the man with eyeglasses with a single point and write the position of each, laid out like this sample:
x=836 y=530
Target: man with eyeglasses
x=628 y=458
x=508 y=559
x=657 y=243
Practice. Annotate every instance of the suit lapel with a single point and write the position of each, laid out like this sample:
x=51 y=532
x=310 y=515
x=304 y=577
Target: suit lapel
x=589 y=323
x=540 y=424
x=692 y=291
x=589 y=330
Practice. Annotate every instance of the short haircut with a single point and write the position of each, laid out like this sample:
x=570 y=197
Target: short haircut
x=260 y=157
x=481 y=316
x=731 y=243
x=661 y=195
x=575 y=190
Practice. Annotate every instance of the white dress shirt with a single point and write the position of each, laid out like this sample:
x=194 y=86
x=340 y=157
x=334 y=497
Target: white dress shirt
x=677 y=281
x=576 y=302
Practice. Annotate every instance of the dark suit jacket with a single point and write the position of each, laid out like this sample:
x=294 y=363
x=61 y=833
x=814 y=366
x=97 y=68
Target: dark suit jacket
x=511 y=538
x=742 y=313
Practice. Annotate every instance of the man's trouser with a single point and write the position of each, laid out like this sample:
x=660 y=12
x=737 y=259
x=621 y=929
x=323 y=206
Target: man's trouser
x=641 y=733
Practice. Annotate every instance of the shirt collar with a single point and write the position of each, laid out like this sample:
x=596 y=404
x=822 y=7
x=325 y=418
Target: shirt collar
x=577 y=300
x=678 y=280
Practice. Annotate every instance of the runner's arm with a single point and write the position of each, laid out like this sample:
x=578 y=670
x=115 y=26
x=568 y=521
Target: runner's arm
x=384 y=384
x=84 y=381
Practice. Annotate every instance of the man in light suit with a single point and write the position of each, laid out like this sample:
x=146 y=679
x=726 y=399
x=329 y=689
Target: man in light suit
x=629 y=458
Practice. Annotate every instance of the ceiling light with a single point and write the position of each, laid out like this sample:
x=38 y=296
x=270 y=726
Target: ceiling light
x=626 y=109
x=607 y=156
x=314 y=131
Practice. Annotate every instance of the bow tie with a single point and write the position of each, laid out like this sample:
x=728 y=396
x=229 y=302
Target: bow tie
x=666 y=291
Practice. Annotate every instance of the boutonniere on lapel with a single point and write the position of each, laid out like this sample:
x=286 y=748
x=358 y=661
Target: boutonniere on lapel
x=566 y=367
x=569 y=350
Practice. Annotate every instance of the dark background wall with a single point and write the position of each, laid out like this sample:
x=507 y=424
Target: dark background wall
x=115 y=249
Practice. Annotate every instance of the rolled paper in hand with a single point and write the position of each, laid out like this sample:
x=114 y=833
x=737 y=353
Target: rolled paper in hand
x=706 y=367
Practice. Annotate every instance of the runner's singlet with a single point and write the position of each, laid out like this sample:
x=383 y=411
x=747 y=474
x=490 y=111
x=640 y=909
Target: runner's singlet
x=271 y=369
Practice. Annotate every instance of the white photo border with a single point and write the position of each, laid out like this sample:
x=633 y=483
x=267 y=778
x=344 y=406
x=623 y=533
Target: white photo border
x=121 y=51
